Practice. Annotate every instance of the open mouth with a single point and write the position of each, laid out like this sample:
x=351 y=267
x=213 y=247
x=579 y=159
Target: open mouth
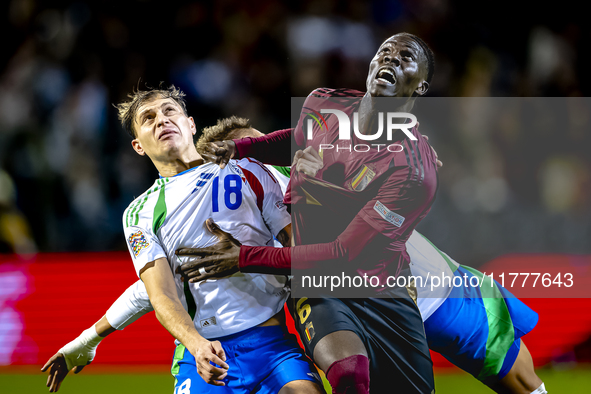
x=386 y=75
x=165 y=134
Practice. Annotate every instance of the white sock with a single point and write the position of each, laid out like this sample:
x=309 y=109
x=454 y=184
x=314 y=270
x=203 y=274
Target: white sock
x=540 y=390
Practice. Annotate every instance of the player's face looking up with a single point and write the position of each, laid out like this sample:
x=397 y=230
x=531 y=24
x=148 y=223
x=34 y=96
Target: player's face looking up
x=399 y=69
x=162 y=130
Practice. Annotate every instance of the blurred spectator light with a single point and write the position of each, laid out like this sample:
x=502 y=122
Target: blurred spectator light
x=313 y=36
x=357 y=41
x=492 y=194
x=210 y=79
x=560 y=184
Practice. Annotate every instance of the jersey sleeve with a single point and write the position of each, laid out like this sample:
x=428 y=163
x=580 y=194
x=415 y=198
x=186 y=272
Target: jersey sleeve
x=268 y=193
x=397 y=205
x=130 y=306
x=143 y=245
x=346 y=247
x=273 y=148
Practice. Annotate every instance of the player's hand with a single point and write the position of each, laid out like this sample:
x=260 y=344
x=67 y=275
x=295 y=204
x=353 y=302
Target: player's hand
x=439 y=162
x=219 y=152
x=206 y=355
x=215 y=261
x=307 y=161
x=57 y=371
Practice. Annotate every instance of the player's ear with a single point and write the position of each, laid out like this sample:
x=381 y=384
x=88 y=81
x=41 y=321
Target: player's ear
x=192 y=125
x=422 y=88
x=137 y=146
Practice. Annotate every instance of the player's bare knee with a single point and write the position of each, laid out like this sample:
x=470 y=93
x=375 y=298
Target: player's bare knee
x=337 y=346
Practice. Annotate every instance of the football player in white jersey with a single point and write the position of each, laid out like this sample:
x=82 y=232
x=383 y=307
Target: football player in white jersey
x=240 y=315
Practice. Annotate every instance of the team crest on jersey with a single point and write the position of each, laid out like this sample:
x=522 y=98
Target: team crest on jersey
x=279 y=205
x=362 y=178
x=390 y=216
x=138 y=241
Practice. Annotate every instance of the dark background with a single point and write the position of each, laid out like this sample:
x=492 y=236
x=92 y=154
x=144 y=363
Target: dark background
x=67 y=170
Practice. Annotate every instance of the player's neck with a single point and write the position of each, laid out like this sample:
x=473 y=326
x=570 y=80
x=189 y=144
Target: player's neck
x=370 y=107
x=174 y=166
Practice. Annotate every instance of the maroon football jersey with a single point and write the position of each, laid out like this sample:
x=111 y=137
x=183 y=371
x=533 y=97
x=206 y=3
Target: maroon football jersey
x=357 y=213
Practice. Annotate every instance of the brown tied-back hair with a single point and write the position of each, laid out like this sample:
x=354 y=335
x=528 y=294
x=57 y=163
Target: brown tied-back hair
x=221 y=131
x=128 y=109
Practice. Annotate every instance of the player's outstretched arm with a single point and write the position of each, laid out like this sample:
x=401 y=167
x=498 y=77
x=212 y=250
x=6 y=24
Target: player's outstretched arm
x=226 y=252
x=161 y=288
x=76 y=354
x=130 y=306
x=273 y=148
x=225 y=255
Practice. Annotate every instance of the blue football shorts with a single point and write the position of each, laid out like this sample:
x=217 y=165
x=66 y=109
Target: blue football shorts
x=478 y=328
x=261 y=360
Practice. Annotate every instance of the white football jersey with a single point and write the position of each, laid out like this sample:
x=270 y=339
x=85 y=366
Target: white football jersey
x=280 y=176
x=245 y=200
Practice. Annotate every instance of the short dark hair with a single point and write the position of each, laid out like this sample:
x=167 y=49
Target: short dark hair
x=221 y=130
x=427 y=51
x=128 y=109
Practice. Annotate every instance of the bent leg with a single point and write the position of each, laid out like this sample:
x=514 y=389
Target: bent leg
x=522 y=378
x=302 y=387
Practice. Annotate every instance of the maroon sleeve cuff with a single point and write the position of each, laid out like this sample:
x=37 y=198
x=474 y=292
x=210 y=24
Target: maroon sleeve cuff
x=242 y=147
x=273 y=148
x=265 y=260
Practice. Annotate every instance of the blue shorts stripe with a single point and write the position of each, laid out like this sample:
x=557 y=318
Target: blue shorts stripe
x=472 y=334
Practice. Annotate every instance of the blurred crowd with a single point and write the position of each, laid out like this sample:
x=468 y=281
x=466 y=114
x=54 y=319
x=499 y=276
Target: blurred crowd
x=67 y=170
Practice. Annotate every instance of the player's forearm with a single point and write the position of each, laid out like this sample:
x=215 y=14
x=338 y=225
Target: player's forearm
x=273 y=148
x=161 y=289
x=173 y=317
x=281 y=261
x=103 y=327
x=348 y=245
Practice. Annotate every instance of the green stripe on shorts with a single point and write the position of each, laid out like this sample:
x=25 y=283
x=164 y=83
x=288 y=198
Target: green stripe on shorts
x=179 y=353
x=501 y=333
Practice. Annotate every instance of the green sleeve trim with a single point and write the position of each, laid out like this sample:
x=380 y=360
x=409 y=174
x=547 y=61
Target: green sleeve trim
x=501 y=333
x=284 y=170
x=134 y=209
x=159 y=210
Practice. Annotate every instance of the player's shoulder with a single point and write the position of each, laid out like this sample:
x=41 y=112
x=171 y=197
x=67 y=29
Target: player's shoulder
x=342 y=92
x=132 y=212
x=145 y=194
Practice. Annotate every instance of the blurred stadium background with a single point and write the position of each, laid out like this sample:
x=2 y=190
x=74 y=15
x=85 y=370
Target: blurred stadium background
x=516 y=201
